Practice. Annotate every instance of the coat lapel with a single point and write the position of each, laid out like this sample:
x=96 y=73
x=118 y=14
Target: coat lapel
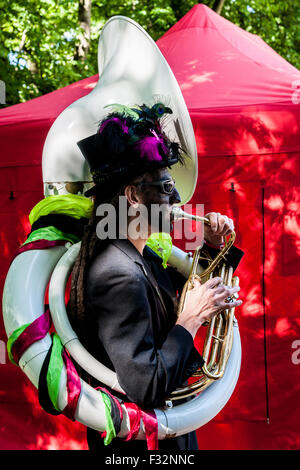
x=129 y=249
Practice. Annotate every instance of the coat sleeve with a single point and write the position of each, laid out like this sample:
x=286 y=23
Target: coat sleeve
x=123 y=317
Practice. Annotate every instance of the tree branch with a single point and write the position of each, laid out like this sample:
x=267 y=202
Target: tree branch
x=84 y=18
x=23 y=39
x=218 y=5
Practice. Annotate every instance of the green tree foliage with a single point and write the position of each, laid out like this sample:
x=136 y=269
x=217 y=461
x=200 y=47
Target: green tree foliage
x=276 y=21
x=40 y=40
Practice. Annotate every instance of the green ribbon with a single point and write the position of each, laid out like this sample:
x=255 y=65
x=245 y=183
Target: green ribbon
x=13 y=337
x=54 y=370
x=55 y=364
x=51 y=233
x=110 y=429
x=161 y=244
x=68 y=204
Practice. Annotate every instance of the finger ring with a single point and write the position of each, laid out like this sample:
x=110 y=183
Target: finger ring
x=230 y=299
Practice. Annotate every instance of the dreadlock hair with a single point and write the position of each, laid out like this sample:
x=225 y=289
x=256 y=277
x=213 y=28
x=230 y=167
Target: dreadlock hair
x=89 y=245
x=90 y=242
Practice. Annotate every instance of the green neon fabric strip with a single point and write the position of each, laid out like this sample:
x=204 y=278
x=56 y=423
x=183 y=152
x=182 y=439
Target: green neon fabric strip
x=13 y=337
x=67 y=204
x=54 y=370
x=51 y=233
x=110 y=429
x=161 y=244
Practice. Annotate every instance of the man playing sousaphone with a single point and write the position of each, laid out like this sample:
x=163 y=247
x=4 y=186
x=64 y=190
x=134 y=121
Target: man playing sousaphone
x=123 y=303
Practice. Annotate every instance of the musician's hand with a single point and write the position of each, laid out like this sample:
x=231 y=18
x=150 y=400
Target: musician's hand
x=220 y=227
x=205 y=301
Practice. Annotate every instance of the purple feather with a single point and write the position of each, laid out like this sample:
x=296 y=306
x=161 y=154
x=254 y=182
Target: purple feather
x=149 y=148
x=116 y=120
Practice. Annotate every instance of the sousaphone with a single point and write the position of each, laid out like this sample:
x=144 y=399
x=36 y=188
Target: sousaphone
x=132 y=71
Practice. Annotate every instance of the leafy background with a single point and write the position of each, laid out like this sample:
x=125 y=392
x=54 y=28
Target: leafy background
x=47 y=44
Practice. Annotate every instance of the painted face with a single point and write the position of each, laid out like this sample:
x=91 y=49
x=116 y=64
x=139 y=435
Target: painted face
x=158 y=193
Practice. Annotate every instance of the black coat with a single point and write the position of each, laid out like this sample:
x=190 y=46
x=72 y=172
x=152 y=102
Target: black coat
x=131 y=302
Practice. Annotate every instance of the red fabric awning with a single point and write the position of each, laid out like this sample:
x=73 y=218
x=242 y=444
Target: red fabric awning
x=244 y=102
x=241 y=94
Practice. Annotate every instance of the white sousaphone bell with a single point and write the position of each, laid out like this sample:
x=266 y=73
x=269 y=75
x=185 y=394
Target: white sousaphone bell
x=132 y=71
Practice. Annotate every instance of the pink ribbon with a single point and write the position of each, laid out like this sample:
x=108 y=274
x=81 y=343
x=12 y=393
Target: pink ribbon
x=34 y=332
x=39 y=245
x=150 y=424
x=134 y=413
x=73 y=387
x=151 y=429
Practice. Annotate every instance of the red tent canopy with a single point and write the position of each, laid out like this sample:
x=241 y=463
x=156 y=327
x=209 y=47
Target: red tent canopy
x=244 y=103
x=243 y=100
x=237 y=89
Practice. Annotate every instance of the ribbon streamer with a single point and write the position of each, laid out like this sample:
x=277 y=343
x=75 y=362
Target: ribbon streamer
x=150 y=424
x=72 y=205
x=21 y=339
x=55 y=370
x=73 y=387
x=51 y=233
x=26 y=335
x=38 y=245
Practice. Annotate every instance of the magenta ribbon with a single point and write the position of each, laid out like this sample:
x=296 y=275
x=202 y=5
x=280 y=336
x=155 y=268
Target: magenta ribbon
x=34 y=332
x=39 y=245
x=151 y=429
x=135 y=414
x=73 y=387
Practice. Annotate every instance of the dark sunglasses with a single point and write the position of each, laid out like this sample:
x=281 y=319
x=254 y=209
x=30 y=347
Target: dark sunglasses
x=165 y=186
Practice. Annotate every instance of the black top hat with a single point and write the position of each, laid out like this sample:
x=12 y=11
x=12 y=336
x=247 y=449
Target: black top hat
x=129 y=143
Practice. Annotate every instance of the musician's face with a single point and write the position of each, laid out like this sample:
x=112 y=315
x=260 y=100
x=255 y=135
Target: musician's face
x=159 y=199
